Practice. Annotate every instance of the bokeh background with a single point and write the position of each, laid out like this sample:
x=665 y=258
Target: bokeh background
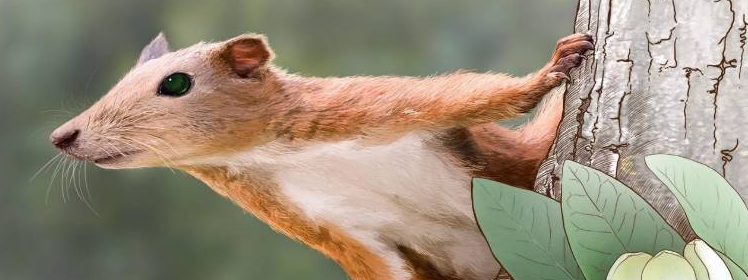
x=58 y=56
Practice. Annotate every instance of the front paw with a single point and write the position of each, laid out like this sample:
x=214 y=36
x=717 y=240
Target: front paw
x=569 y=54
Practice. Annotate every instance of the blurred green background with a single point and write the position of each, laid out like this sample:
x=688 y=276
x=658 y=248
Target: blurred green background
x=58 y=56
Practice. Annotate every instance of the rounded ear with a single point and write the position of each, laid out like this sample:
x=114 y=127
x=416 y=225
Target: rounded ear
x=155 y=49
x=246 y=54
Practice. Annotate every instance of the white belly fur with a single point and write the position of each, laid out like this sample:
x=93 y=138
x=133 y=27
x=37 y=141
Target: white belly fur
x=399 y=193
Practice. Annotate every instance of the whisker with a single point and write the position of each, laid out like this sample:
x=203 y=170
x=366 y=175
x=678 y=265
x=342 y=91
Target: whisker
x=71 y=179
x=107 y=151
x=161 y=140
x=131 y=119
x=85 y=181
x=62 y=177
x=149 y=127
x=44 y=166
x=121 y=142
x=88 y=121
x=131 y=145
x=74 y=179
x=52 y=180
x=63 y=171
x=66 y=113
x=156 y=151
x=115 y=148
x=68 y=183
x=63 y=188
x=80 y=190
x=88 y=82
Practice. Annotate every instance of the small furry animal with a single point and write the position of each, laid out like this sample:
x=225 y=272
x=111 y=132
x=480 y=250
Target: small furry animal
x=374 y=172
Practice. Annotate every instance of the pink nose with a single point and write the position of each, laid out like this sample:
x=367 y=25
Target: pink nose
x=64 y=138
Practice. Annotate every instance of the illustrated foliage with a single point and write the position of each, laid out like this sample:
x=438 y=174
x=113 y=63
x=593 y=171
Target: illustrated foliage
x=524 y=231
x=714 y=209
x=600 y=219
x=605 y=219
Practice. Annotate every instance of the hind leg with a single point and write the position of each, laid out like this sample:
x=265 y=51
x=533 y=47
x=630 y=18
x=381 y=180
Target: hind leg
x=498 y=153
x=510 y=156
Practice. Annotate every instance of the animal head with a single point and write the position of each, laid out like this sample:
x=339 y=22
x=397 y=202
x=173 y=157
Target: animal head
x=175 y=107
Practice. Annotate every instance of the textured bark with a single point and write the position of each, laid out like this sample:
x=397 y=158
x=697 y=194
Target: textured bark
x=666 y=78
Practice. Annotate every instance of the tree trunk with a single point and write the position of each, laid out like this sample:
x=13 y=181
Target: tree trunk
x=666 y=78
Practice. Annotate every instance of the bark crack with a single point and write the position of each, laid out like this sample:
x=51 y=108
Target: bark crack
x=688 y=71
x=660 y=41
x=616 y=150
x=694 y=55
x=675 y=58
x=742 y=45
x=617 y=118
x=727 y=157
x=651 y=59
x=723 y=65
x=589 y=15
x=585 y=102
x=652 y=42
x=599 y=90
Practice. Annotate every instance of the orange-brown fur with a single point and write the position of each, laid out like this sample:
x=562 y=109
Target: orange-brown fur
x=341 y=108
x=258 y=196
x=486 y=147
x=241 y=101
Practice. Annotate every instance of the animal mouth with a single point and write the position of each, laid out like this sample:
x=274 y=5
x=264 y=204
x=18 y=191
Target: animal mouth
x=113 y=158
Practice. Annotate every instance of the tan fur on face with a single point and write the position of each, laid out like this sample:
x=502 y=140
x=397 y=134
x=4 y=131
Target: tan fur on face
x=222 y=113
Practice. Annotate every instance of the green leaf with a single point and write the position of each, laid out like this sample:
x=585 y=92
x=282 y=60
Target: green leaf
x=604 y=219
x=714 y=209
x=525 y=231
x=735 y=271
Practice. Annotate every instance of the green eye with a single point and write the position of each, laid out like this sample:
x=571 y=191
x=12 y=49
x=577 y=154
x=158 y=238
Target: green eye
x=175 y=85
